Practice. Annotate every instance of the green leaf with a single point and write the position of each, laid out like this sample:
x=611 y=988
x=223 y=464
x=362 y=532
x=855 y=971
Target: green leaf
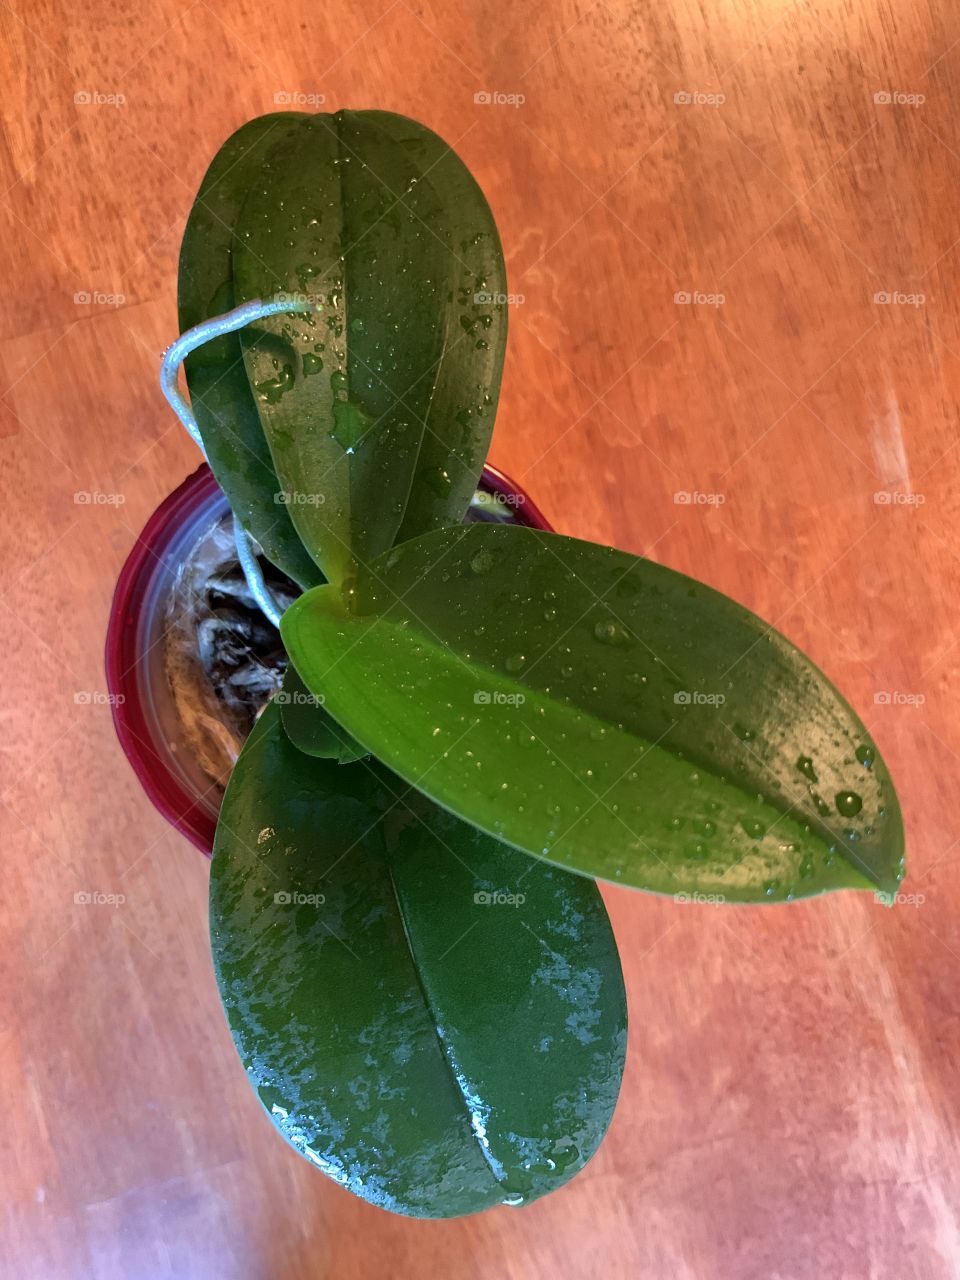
x=378 y=411
x=310 y=727
x=220 y=394
x=459 y=417
x=605 y=713
x=434 y=1053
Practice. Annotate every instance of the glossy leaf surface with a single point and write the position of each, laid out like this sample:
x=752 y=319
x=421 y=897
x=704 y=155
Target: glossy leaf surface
x=431 y=1019
x=310 y=727
x=220 y=395
x=459 y=418
x=603 y=712
x=378 y=411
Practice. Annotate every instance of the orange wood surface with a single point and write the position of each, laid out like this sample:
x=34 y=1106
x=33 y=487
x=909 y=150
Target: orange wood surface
x=790 y=1107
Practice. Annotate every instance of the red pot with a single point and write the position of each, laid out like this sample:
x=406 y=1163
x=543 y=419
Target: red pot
x=144 y=713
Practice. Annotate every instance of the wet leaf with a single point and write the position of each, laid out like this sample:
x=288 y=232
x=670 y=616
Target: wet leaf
x=310 y=727
x=605 y=713
x=433 y=1021
x=378 y=410
x=220 y=393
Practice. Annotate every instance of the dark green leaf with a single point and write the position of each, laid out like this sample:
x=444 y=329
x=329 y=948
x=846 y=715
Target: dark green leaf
x=459 y=418
x=605 y=713
x=378 y=411
x=428 y=1042
x=310 y=727
x=220 y=394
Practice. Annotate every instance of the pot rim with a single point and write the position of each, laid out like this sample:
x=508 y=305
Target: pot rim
x=181 y=808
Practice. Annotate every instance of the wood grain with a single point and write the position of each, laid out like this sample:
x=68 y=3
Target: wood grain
x=790 y=1110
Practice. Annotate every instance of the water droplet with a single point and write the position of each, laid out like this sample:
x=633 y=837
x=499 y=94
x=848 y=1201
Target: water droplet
x=848 y=803
x=866 y=755
x=482 y=562
x=822 y=807
x=515 y=662
x=438 y=480
x=271 y=389
x=609 y=631
x=805 y=766
x=350 y=424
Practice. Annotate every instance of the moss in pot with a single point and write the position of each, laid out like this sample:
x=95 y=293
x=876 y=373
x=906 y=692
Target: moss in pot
x=477 y=722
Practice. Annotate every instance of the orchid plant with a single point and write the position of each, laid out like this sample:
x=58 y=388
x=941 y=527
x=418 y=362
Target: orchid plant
x=477 y=722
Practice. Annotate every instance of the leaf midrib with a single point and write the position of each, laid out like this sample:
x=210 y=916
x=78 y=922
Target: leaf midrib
x=445 y=1052
x=645 y=746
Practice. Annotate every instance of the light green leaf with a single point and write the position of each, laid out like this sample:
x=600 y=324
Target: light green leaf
x=605 y=713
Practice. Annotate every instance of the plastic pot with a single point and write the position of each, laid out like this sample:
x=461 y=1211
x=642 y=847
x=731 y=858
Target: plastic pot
x=147 y=721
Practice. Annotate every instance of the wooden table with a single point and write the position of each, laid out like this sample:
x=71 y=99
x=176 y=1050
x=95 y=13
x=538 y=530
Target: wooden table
x=790 y=1108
